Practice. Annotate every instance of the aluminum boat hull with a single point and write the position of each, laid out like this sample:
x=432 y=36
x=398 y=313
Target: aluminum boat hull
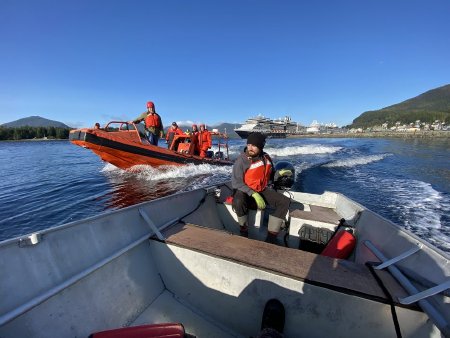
x=180 y=259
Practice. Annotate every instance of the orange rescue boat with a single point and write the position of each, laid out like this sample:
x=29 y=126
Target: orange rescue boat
x=123 y=145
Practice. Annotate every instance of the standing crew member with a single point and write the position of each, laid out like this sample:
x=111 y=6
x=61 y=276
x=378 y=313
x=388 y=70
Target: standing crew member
x=194 y=130
x=174 y=130
x=252 y=172
x=153 y=124
x=204 y=140
x=194 y=139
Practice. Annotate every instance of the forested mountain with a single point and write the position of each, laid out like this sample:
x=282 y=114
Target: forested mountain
x=33 y=127
x=427 y=107
x=229 y=128
x=34 y=121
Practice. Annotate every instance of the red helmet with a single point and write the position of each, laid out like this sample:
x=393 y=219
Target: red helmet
x=194 y=125
x=202 y=125
x=150 y=104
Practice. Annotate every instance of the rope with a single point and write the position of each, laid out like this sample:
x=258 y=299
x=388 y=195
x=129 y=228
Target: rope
x=371 y=265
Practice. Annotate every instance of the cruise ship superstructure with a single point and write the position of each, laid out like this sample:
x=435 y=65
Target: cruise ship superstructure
x=278 y=128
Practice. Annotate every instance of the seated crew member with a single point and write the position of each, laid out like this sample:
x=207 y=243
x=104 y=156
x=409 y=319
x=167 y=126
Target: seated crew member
x=173 y=130
x=97 y=125
x=252 y=172
x=204 y=140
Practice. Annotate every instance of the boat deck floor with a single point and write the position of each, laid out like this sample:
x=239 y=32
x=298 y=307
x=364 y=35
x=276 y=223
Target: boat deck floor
x=340 y=275
x=167 y=308
x=315 y=213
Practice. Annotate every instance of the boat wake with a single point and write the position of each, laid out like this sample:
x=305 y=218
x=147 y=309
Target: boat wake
x=420 y=208
x=301 y=150
x=353 y=162
x=415 y=205
x=168 y=172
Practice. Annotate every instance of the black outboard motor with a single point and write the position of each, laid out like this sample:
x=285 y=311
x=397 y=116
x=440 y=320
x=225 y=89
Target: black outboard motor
x=284 y=176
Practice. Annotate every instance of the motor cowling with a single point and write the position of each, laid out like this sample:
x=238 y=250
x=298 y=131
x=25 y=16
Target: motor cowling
x=284 y=176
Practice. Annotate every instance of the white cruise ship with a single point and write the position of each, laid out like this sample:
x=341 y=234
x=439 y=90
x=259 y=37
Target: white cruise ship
x=278 y=128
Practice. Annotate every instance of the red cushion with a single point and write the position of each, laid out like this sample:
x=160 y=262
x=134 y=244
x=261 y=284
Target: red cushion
x=165 y=330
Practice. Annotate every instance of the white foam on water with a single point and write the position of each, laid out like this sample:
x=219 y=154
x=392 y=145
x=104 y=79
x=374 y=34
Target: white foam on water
x=166 y=172
x=190 y=170
x=235 y=149
x=302 y=150
x=353 y=162
x=302 y=166
x=418 y=206
x=421 y=207
x=111 y=168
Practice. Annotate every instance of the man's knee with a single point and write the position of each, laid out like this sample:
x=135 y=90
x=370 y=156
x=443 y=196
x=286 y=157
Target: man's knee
x=280 y=202
x=285 y=201
x=284 y=204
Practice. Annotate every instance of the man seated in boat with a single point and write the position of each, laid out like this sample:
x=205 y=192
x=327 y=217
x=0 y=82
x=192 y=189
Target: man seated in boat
x=252 y=172
x=173 y=130
x=153 y=124
x=204 y=140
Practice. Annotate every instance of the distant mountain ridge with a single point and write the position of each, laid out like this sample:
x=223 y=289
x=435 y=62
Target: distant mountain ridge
x=427 y=107
x=34 y=121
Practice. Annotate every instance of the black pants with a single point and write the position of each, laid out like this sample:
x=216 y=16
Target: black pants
x=242 y=202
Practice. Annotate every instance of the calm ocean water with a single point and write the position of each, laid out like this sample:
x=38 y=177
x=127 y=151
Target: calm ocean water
x=50 y=183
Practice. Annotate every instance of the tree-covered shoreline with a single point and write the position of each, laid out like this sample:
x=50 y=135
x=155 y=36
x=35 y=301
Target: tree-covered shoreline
x=30 y=133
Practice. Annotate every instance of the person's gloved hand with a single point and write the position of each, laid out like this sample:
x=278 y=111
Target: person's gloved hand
x=285 y=172
x=259 y=201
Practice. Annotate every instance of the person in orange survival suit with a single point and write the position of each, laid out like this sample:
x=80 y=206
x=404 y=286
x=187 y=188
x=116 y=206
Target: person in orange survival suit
x=194 y=130
x=174 y=130
x=153 y=125
x=194 y=139
x=252 y=172
x=204 y=140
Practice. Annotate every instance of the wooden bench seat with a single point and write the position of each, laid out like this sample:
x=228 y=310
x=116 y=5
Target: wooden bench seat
x=341 y=275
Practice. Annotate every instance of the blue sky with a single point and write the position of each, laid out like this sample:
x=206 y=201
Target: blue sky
x=81 y=61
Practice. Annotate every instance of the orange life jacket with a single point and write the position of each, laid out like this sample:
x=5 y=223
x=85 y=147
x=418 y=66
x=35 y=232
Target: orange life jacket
x=172 y=132
x=153 y=120
x=257 y=176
